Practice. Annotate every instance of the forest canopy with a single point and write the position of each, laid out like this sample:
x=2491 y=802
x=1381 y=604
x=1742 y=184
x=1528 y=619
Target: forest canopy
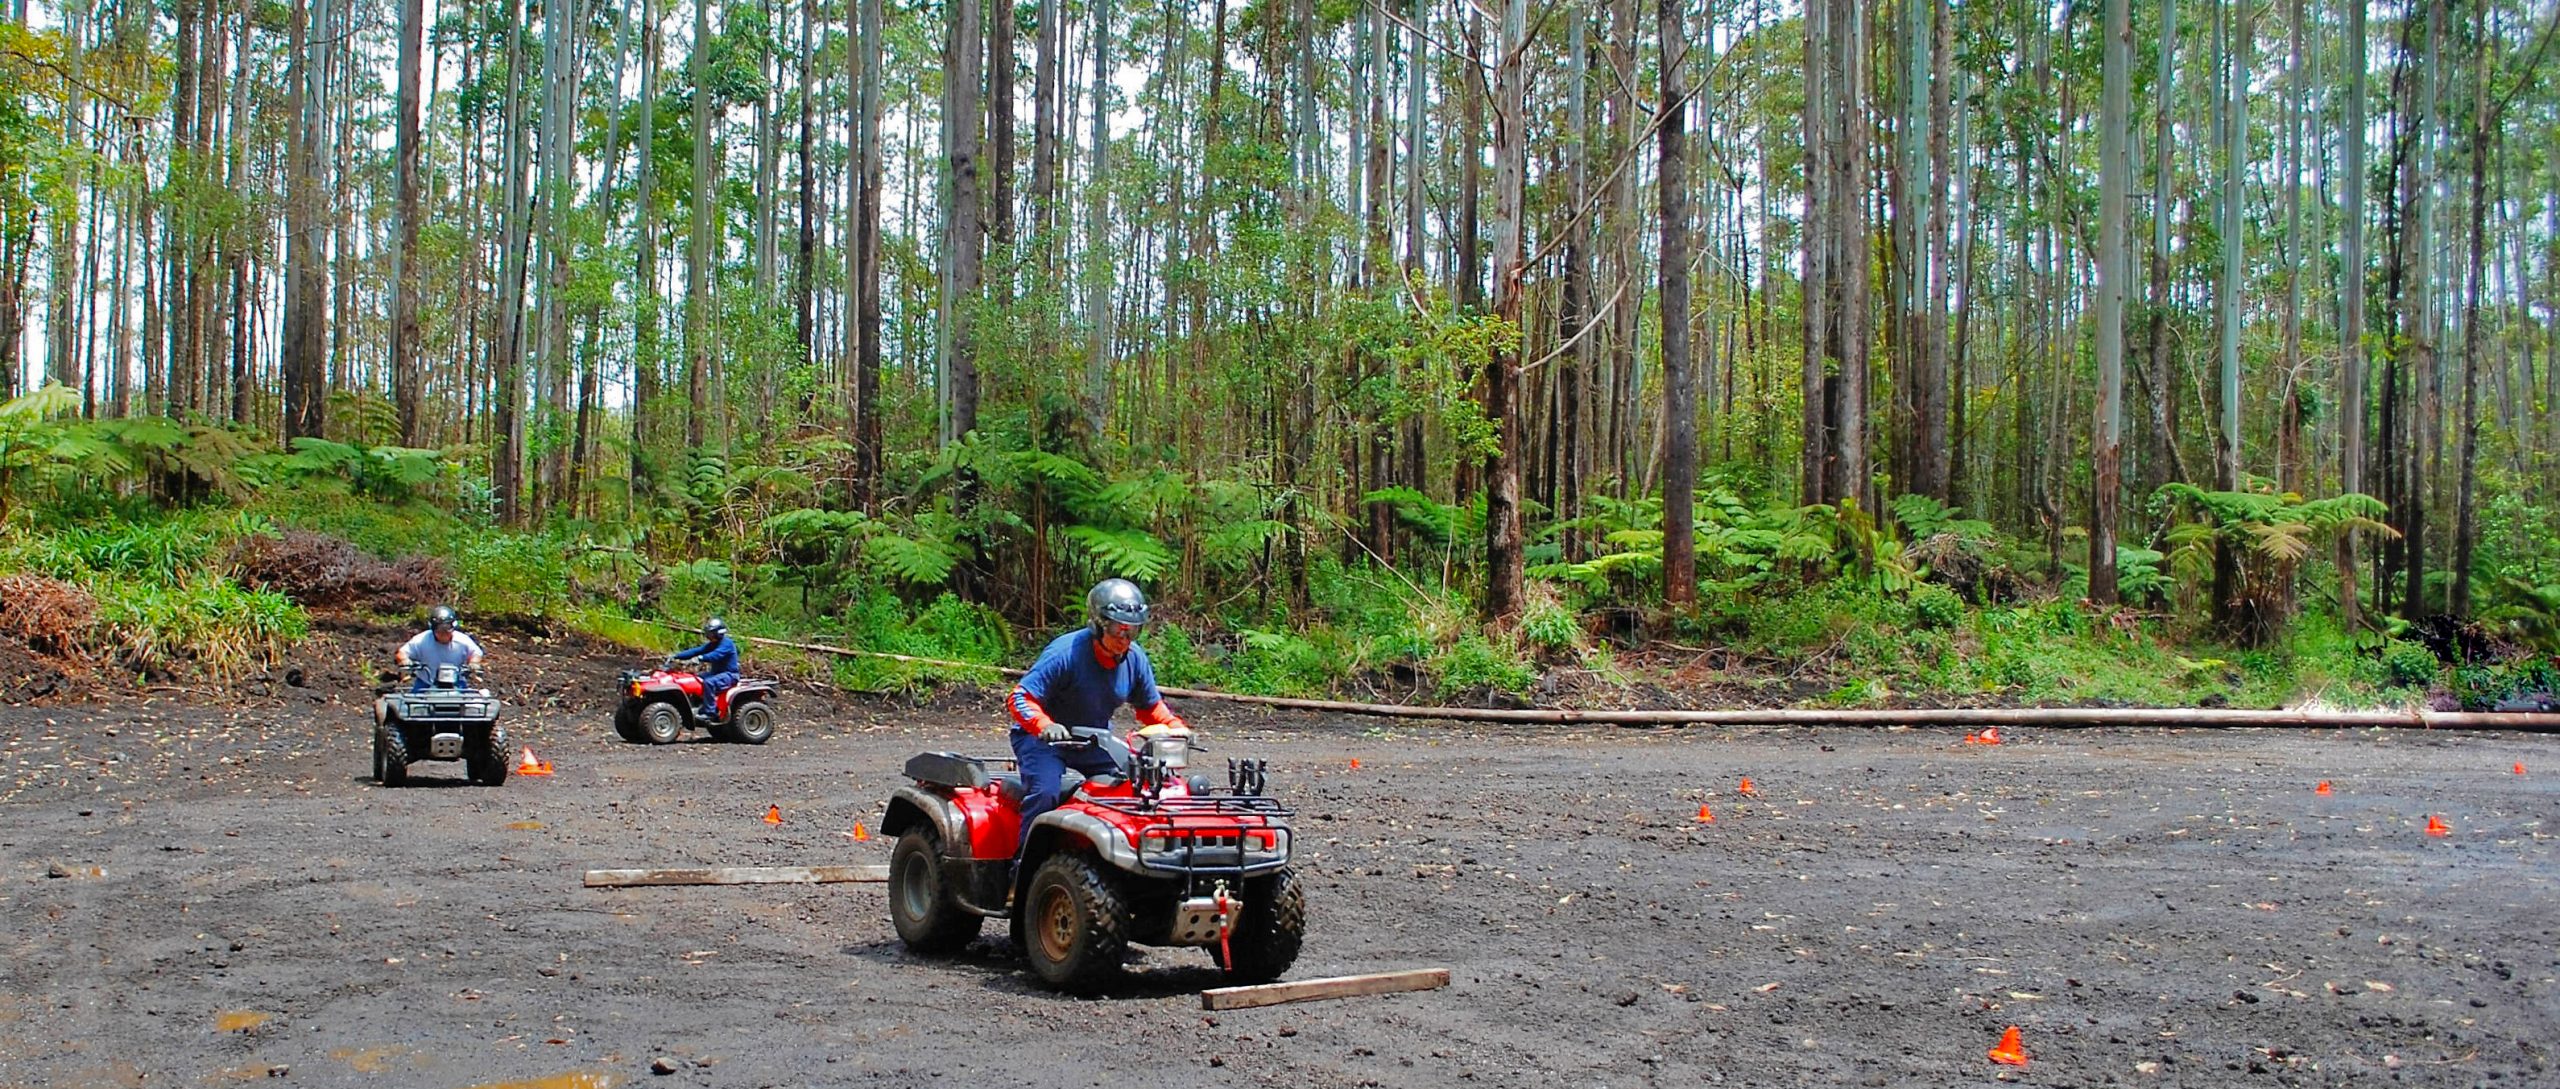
x=1366 y=335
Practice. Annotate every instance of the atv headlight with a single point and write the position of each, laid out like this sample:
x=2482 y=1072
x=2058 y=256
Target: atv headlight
x=1172 y=751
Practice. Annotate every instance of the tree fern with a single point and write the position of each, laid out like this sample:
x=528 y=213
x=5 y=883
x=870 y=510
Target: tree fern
x=1124 y=553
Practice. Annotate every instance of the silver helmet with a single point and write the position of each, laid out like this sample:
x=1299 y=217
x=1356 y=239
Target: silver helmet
x=1115 y=601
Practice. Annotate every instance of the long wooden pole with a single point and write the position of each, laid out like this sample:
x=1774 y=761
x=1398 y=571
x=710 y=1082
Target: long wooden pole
x=1790 y=716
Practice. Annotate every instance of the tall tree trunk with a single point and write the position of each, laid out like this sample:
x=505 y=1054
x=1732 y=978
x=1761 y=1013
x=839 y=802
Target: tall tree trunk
x=506 y=468
x=967 y=214
x=768 y=158
x=560 y=64
x=2416 y=314
x=1575 y=311
x=1044 y=129
x=803 y=272
x=2289 y=375
x=1099 y=257
x=1679 y=380
x=62 y=312
x=1624 y=254
x=1815 y=237
x=865 y=232
x=2160 y=463
x=646 y=364
x=1918 y=391
x=1470 y=149
x=2351 y=293
x=2466 y=466
x=2115 y=169
x=306 y=335
x=701 y=250
x=405 y=371
x=1504 y=560
x=1001 y=62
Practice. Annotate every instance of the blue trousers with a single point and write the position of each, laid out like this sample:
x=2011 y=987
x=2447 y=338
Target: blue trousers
x=1042 y=765
x=712 y=685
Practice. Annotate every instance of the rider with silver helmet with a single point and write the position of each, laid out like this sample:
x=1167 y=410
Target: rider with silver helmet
x=442 y=644
x=1079 y=680
x=719 y=656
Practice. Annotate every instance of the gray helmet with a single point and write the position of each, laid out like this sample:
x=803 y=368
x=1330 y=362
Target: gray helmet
x=1115 y=601
x=441 y=618
x=715 y=627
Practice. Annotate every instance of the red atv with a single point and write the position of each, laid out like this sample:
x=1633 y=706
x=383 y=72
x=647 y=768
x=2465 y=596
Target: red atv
x=1144 y=856
x=659 y=704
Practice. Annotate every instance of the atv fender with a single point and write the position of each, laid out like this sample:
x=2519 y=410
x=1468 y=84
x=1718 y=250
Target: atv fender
x=1075 y=827
x=912 y=806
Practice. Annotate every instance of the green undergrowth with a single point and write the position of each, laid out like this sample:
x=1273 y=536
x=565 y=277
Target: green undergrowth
x=167 y=603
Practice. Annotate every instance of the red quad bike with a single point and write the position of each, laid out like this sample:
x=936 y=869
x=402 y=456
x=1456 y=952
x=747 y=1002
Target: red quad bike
x=1144 y=855
x=659 y=704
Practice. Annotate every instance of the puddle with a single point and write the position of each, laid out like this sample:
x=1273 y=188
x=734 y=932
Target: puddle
x=240 y=1020
x=575 y=1079
x=371 y=1060
x=525 y=826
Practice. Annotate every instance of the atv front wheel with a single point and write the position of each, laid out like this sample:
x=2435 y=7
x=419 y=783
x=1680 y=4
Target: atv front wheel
x=390 y=756
x=487 y=761
x=661 y=723
x=1266 y=939
x=928 y=917
x=626 y=725
x=1074 y=924
x=751 y=723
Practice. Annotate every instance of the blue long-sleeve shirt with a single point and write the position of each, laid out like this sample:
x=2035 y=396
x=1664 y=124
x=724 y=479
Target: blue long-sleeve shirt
x=719 y=655
x=1071 y=685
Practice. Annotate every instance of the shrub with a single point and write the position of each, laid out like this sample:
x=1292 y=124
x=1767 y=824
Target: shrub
x=205 y=621
x=2408 y=665
x=318 y=569
x=1474 y=663
x=47 y=614
x=1937 y=607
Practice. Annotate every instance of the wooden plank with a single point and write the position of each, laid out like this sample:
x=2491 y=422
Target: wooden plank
x=1309 y=990
x=735 y=875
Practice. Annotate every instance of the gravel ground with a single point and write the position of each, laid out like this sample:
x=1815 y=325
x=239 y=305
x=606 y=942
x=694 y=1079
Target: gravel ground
x=206 y=892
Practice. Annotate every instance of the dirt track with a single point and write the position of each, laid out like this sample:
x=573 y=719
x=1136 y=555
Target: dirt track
x=2158 y=908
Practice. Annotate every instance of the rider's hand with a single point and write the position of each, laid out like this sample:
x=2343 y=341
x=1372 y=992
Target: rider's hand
x=1055 y=732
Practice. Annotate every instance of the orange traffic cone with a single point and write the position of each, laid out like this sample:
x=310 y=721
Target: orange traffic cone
x=2519 y=767
x=1747 y=788
x=1990 y=735
x=532 y=765
x=773 y=814
x=2321 y=790
x=1705 y=816
x=1355 y=763
x=2010 y=1051
x=2436 y=826
x=860 y=833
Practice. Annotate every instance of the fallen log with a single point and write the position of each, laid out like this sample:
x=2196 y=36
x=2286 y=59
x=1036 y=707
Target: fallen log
x=2045 y=717
x=1309 y=990
x=735 y=875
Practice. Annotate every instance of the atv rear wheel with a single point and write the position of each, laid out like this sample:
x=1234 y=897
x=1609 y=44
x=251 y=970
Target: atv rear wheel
x=928 y=916
x=626 y=724
x=1266 y=939
x=661 y=723
x=390 y=755
x=1074 y=924
x=751 y=723
x=487 y=760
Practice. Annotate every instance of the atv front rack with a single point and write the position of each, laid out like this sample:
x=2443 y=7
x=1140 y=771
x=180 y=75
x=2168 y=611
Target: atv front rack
x=1206 y=836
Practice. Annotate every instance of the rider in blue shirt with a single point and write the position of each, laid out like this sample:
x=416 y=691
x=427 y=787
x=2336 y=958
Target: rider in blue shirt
x=1079 y=680
x=719 y=656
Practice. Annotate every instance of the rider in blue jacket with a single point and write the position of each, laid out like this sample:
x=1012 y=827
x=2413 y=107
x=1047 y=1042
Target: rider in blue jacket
x=719 y=657
x=1079 y=680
